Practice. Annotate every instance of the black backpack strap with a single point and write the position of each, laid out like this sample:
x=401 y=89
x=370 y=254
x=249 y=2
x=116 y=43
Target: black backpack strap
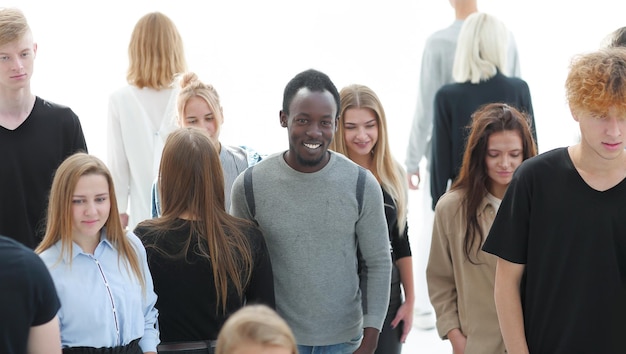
x=249 y=190
x=360 y=187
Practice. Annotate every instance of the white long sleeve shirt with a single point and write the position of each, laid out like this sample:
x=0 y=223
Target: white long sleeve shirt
x=138 y=124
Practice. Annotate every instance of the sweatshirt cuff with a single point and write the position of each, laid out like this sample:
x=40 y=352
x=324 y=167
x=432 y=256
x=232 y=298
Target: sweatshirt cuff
x=374 y=321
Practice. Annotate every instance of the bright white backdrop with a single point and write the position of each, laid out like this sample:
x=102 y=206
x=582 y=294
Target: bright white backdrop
x=249 y=50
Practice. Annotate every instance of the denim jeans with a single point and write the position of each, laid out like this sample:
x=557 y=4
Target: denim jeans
x=341 y=348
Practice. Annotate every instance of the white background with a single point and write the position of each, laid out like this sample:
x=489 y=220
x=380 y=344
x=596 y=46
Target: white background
x=250 y=49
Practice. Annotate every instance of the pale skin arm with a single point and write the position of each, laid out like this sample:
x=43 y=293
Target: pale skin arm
x=45 y=338
x=458 y=341
x=369 y=342
x=509 y=305
x=405 y=312
x=414 y=179
x=124 y=220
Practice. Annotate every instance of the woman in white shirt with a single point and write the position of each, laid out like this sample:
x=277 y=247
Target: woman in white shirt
x=141 y=114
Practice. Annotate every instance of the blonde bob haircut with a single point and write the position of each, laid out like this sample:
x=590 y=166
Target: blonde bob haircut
x=255 y=324
x=480 y=49
x=13 y=25
x=388 y=171
x=59 y=218
x=155 y=52
x=597 y=81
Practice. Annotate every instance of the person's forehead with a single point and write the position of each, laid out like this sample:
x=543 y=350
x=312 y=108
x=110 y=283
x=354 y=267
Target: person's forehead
x=23 y=42
x=316 y=99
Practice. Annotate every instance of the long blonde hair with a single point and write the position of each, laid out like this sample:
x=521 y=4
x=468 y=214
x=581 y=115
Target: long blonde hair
x=191 y=182
x=155 y=52
x=389 y=172
x=59 y=219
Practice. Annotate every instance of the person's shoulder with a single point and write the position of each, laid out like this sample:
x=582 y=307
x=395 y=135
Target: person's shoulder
x=236 y=152
x=51 y=255
x=49 y=106
x=270 y=162
x=122 y=91
x=515 y=81
x=134 y=239
x=121 y=94
x=143 y=229
x=253 y=156
x=7 y=243
x=10 y=248
x=451 y=90
x=444 y=36
x=450 y=201
x=544 y=162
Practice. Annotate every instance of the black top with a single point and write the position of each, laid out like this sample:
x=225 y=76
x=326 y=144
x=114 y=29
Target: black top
x=572 y=239
x=454 y=106
x=400 y=246
x=28 y=297
x=185 y=286
x=30 y=154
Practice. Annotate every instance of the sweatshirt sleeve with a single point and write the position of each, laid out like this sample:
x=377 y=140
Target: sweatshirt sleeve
x=373 y=240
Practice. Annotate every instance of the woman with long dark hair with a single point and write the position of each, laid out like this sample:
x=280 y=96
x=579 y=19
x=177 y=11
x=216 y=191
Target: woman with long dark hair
x=460 y=276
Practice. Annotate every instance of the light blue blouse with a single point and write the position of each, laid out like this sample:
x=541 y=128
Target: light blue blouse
x=102 y=303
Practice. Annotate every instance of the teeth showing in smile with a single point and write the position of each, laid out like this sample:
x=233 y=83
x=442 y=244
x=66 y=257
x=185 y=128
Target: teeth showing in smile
x=312 y=146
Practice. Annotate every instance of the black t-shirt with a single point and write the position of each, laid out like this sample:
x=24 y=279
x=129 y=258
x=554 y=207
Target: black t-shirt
x=572 y=240
x=185 y=286
x=27 y=295
x=30 y=154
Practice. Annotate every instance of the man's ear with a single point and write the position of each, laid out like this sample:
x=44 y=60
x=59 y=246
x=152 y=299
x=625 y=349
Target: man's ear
x=35 y=49
x=283 y=119
x=574 y=114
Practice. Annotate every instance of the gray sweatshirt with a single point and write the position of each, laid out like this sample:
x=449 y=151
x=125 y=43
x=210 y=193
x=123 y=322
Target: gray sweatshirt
x=312 y=226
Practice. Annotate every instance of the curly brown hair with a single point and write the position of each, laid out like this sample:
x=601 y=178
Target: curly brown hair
x=597 y=81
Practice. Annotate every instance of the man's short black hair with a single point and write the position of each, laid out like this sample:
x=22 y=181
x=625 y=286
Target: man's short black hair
x=315 y=81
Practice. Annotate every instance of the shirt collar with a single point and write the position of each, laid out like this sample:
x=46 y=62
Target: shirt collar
x=77 y=250
x=489 y=201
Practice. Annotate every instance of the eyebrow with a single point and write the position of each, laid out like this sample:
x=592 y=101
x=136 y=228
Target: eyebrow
x=368 y=122
x=97 y=195
x=506 y=151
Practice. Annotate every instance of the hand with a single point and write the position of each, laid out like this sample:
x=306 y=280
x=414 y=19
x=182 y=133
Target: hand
x=124 y=220
x=404 y=314
x=369 y=342
x=414 y=180
x=458 y=341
